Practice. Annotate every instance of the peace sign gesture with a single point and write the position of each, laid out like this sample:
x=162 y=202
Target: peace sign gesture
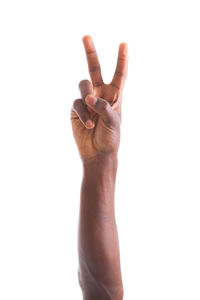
x=110 y=92
x=96 y=116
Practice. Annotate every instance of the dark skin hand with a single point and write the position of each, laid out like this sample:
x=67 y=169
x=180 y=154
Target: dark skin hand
x=96 y=119
x=103 y=119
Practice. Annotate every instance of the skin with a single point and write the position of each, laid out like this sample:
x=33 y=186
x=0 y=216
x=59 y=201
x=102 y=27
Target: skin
x=96 y=119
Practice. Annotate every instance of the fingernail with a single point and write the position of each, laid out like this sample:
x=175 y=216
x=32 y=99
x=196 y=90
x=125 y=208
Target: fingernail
x=89 y=124
x=90 y=99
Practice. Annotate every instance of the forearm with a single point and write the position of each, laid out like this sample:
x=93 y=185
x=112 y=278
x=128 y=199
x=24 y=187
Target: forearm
x=99 y=259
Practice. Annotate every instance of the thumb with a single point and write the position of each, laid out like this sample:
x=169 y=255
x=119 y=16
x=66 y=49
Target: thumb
x=102 y=108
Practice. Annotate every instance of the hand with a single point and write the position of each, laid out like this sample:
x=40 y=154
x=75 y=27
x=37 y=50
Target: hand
x=96 y=117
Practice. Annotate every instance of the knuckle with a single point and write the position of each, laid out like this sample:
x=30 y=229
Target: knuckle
x=98 y=83
x=84 y=82
x=76 y=103
x=122 y=58
x=94 y=69
x=102 y=106
x=91 y=52
x=119 y=73
x=115 y=85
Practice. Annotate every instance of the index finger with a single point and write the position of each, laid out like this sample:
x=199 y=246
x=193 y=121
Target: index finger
x=93 y=62
x=121 y=68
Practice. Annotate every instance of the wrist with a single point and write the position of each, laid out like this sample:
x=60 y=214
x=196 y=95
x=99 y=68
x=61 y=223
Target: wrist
x=107 y=162
x=98 y=184
x=100 y=172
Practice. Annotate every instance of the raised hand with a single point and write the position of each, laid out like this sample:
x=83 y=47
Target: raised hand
x=96 y=121
x=96 y=116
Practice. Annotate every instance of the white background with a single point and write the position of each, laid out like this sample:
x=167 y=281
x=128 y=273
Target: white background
x=42 y=61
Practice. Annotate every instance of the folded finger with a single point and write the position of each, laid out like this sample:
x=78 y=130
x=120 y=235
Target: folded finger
x=81 y=111
x=85 y=88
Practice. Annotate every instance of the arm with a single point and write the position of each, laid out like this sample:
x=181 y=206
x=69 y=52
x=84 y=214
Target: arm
x=96 y=121
x=99 y=260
